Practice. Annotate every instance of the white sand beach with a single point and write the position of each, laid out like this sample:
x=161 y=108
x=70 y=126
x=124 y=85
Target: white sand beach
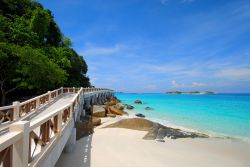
x=116 y=147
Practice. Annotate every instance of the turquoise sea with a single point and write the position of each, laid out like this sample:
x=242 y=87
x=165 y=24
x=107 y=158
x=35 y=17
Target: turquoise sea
x=220 y=114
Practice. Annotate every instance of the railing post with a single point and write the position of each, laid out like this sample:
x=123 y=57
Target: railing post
x=49 y=96
x=81 y=89
x=37 y=103
x=59 y=121
x=45 y=131
x=20 y=152
x=74 y=90
x=16 y=110
x=71 y=111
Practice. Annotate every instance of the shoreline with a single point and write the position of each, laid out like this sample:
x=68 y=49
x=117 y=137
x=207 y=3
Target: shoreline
x=195 y=130
x=125 y=147
x=217 y=116
x=183 y=128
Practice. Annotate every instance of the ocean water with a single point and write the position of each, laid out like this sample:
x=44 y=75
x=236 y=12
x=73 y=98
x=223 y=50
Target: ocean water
x=220 y=114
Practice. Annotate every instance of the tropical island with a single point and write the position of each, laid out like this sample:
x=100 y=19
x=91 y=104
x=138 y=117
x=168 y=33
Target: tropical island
x=192 y=92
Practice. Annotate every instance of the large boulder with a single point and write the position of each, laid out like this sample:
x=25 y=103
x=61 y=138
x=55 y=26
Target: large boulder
x=99 y=111
x=140 y=115
x=134 y=123
x=161 y=135
x=96 y=121
x=116 y=110
x=111 y=103
x=113 y=98
x=129 y=107
x=155 y=130
x=138 y=102
x=111 y=115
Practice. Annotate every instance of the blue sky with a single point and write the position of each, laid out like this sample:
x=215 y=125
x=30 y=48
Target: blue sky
x=160 y=45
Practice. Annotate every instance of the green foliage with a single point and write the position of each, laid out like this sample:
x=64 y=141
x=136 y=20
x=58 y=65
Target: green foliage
x=77 y=71
x=67 y=42
x=40 y=22
x=209 y=92
x=34 y=55
x=33 y=62
x=14 y=7
x=53 y=35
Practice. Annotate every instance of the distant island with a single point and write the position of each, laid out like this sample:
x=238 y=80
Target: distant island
x=193 y=92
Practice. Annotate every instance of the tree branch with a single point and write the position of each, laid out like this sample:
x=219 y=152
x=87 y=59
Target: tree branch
x=11 y=90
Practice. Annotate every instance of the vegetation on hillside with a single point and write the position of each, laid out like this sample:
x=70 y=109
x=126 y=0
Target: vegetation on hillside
x=192 y=92
x=34 y=54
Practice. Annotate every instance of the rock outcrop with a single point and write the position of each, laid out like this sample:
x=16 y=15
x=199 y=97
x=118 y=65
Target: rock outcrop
x=140 y=115
x=115 y=110
x=99 y=111
x=134 y=123
x=86 y=124
x=111 y=115
x=138 y=102
x=155 y=130
x=129 y=107
x=113 y=101
x=96 y=121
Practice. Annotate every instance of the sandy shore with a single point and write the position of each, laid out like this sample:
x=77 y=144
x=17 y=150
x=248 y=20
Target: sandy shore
x=115 y=147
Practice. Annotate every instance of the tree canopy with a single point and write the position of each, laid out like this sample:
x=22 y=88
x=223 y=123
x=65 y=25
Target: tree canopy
x=34 y=54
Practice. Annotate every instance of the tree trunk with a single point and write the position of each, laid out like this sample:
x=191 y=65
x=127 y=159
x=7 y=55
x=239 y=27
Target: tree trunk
x=4 y=93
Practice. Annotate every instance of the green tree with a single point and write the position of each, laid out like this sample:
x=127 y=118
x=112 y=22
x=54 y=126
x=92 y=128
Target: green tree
x=14 y=7
x=8 y=64
x=39 y=23
x=34 y=55
x=54 y=35
x=27 y=68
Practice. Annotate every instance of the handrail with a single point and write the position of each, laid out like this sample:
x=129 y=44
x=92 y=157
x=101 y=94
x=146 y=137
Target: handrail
x=6 y=107
x=18 y=110
x=9 y=139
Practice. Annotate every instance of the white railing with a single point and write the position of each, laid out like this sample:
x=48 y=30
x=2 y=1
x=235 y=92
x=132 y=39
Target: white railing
x=18 y=110
x=27 y=143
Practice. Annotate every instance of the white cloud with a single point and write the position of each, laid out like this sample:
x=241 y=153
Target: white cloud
x=93 y=80
x=93 y=50
x=193 y=85
x=173 y=82
x=238 y=74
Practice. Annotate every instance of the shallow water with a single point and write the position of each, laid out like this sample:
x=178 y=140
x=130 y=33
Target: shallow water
x=224 y=114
